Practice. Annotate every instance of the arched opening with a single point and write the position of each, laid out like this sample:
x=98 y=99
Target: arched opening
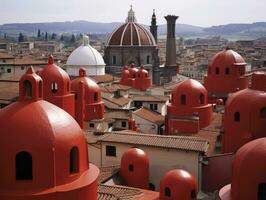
x=148 y=60
x=74 y=160
x=68 y=86
x=134 y=75
x=151 y=187
x=130 y=168
x=263 y=113
x=183 y=99
x=227 y=71
x=201 y=98
x=40 y=89
x=237 y=117
x=262 y=191
x=167 y=192
x=54 y=87
x=27 y=89
x=95 y=96
x=193 y=194
x=217 y=70
x=23 y=166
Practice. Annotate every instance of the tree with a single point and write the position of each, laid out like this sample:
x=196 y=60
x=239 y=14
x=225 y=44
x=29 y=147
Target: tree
x=21 y=38
x=5 y=36
x=39 y=33
x=54 y=36
x=73 y=39
x=46 y=36
x=62 y=37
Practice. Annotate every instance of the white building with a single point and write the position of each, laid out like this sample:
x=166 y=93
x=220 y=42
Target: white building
x=87 y=57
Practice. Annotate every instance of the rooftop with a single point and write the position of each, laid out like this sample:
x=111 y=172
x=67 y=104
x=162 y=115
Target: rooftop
x=150 y=98
x=150 y=115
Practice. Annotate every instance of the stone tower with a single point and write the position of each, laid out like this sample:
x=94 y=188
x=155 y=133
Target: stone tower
x=154 y=27
x=170 y=68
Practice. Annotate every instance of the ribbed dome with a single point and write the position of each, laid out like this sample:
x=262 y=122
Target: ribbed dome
x=85 y=55
x=131 y=34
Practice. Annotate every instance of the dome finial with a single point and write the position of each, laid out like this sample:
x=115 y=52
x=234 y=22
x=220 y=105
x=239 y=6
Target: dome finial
x=131 y=15
x=85 y=40
x=50 y=60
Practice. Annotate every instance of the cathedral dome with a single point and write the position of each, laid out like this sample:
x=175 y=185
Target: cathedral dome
x=87 y=57
x=131 y=34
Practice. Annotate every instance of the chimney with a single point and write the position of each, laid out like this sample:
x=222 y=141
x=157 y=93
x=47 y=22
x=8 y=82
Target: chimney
x=170 y=68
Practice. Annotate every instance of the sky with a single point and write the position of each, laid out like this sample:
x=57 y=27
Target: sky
x=195 y=12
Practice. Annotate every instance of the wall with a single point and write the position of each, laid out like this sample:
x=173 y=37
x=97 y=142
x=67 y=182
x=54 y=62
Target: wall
x=145 y=126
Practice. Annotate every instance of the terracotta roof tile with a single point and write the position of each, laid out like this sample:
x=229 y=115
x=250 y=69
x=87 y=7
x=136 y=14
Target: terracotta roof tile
x=118 y=101
x=150 y=115
x=117 y=114
x=187 y=143
x=151 y=98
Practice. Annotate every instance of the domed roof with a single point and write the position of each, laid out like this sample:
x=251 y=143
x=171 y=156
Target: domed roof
x=135 y=154
x=131 y=34
x=227 y=58
x=248 y=172
x=85 y=55
x=178 y=184
x=143 y=73
x=44 y=131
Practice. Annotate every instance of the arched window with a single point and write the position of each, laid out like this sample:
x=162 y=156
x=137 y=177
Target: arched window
x=130 y=168
x=237 y=116
x=201 y=98
x=151 y=187
x=263 y=113
x=134 y=75
x=68 y=86
x=54 y=87
x=148 y=60
x=167 y=192
x=28 y=89
x=23 y=166
x=95 y=96
x=217 y=70
x=227 y=71
x=193 y=194
x=40 y=89
x=262 y=191
x=74 y=160
x=183 y=99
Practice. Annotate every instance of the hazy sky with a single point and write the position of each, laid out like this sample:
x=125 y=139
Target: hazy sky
x=195 y=12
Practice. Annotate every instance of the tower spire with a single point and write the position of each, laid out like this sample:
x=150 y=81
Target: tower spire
x=131 y=15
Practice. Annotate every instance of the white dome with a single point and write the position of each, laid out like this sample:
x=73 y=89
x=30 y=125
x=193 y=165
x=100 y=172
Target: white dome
x=85 y=56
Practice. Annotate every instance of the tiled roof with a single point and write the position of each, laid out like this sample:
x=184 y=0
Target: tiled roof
x=150 y=98
x=103 y=78
x=6 y=56
x=106 y=192
x=186 y=143
x=118 y=101
x=150 y=115
x=117 y=115
x=107 y=172
x=9 y=91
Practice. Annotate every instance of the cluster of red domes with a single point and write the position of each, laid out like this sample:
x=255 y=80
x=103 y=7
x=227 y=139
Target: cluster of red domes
x=81 y=97
x=136 y=78
x=43 y=149
x=189 y=109
x=226 y=74
x=248 y=179
x=175 y=184
x=245 y=115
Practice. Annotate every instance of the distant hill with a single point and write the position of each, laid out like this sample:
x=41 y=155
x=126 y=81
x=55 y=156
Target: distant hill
x=254 y=30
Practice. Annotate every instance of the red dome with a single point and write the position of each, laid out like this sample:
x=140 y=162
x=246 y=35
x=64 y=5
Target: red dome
x=94 y=108
x=248 y=179
x=133 y=71
x=142 y=73
x=125 y=77
x=56 y=87
x=45 y=149
x=135 y=168
x=195 y=93
x=244 y=118
x=258 y=81
x=178 y=184
x=131 y=34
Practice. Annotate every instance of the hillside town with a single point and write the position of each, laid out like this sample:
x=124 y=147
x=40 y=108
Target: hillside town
x=132 y=116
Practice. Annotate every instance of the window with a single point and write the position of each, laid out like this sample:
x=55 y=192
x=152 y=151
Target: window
x=134 y=75
x=151 y=187
x=153 y=107
x=74 y=160
x=9 y=70
x=111 y=151
x=68 y=86
x=227 y=71
x=91 y=125
x=23 y=166
x=262 y=191
x=4 y=61
x=263 y=113
x=130 y=168
x=95 y=96
x=237 y=116
x=40 y=89
x=193 y=194
x=27 y=89
x=138 y=104
x=217 y=70
x=167 y=192
x=148 y=60
x=54 y=87
x=201 y=99
x=183 y=99
x=114 y=60
x=124 y=124
x=22 y=68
